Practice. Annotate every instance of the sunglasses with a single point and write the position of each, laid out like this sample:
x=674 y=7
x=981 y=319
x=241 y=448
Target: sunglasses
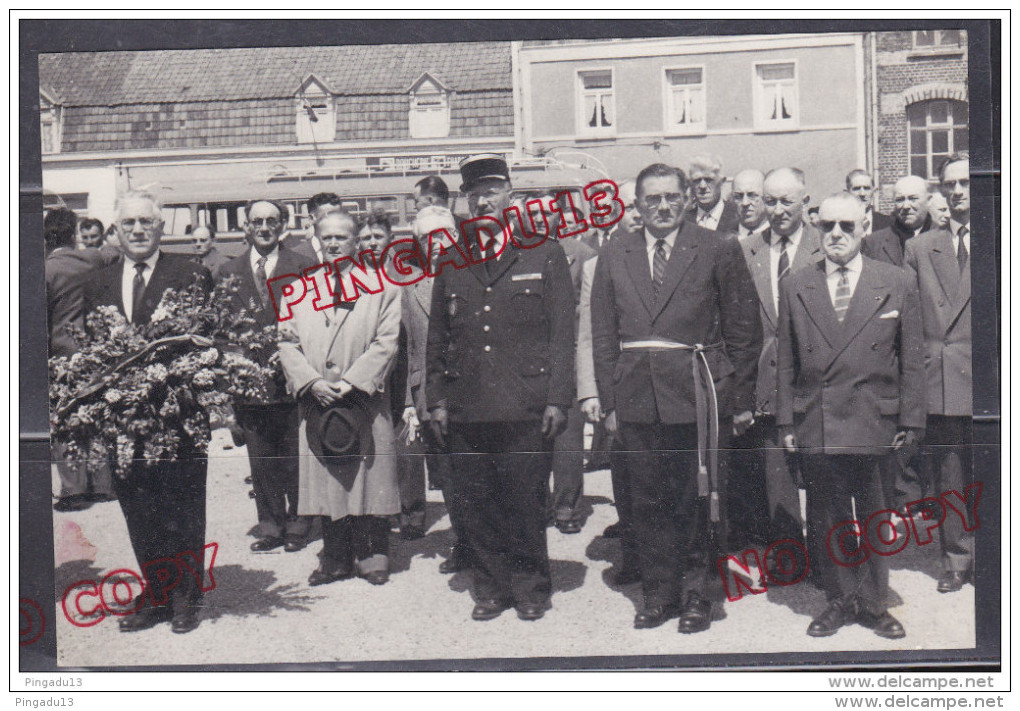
x=845 y=226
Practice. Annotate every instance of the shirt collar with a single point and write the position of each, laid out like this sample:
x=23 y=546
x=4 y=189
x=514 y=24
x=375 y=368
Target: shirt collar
x=775 y=238
x=954 y=227
x=715 y=212
x=254 y=256
x=670 y=239
x=854 y=265
x=150 y=262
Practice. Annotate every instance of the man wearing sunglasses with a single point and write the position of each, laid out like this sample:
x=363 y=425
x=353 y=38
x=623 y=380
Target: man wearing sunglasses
x=851 y=391
x=676 y=337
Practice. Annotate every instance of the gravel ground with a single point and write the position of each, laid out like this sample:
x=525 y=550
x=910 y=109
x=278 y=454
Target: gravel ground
x=262 y=609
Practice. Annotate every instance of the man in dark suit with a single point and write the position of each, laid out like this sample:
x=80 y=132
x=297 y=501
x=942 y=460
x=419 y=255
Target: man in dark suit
x=270 y=428
x=595 y=237
x=164 y=503
x=500 y=380
x=861 y=185
x=939 y=260
x=66 y=270
x=764 y=499
x=910 y=218
x=709 y=210
x=309 y=246
x=674 y=323
x=851 y=388
x=753 y=218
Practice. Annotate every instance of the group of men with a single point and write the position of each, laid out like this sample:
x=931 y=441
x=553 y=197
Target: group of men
x=727 y=352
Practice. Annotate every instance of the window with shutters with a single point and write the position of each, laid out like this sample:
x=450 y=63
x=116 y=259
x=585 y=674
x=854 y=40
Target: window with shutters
x=776 y=105
x=430 y=110
x=596 y=103
x=316 y=114
x=685 y=100
x=937 y=128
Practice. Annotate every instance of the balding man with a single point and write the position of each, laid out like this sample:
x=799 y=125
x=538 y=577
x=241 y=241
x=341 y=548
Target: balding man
x=709 y=210
x=910 y=218
x=764 y=499
x=748 y=186
x=163 y=502
x=205 y=249
x=851 y=389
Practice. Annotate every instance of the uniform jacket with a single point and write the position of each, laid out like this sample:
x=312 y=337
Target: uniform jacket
x=887 y=245
x=247 y=297
x=945 y=308
x=729 y=220
x=847 y=388
x=173 y=271
x=66 y=272
x=358 y=345
x=756 y=252
x=707 y=297
x=501 y=348
x=415 y=305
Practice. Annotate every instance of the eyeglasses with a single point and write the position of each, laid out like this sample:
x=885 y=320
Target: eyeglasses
x=847 y=227
x=651 y=202
x=267 y=221
x=146 y=223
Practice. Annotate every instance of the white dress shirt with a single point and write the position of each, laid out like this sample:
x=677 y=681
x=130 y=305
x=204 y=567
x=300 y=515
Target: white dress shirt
x=775 y=252
x=271 y=259
x=650 y=247
x=954 y=231
x=127 y=281
x=710 y=220
x=853 y=273
x=743 y=233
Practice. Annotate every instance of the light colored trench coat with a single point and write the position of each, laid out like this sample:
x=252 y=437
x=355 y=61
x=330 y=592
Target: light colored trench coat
x=358 y=346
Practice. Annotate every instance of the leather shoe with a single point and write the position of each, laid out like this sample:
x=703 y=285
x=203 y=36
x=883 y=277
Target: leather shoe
x=837 y=614
x=145 y=618
x=531 y=611
x=488 y=610
x=75 y=502
x=626 y=576
x=568 y=526
x=697 y=615
x=454 y=564
x=185 y=620
x=377 y=577
x=322 y=576
x=884 y=625
x=267 y=544
x=612 y=531
x=953 y=580
x=652 y=617
x=293 y=545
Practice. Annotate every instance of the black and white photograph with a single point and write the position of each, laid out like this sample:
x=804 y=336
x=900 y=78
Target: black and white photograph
x=586 y=349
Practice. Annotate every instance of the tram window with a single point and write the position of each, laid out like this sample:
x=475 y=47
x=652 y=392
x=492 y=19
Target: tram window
x=176 y=220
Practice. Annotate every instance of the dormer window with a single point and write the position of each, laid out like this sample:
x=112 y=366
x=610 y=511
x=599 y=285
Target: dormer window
x=49 y=123
x=316 y=112
x=429 y=115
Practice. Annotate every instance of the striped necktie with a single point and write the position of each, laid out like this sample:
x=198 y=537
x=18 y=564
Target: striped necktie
x=784 y=259
x=962 y=255
x=842 y=302
x=260 y=280
x=658 y=264
x=138 y=291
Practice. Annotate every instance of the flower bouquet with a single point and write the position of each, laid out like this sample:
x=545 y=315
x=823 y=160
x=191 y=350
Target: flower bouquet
x=144 y=392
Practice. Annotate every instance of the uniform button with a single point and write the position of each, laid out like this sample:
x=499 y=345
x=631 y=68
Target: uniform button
x=446 y=372
x=527 y=291
x=330 y=364
x=488 y=290
x=487 y=349
x=541 y=370
x=485 y=328
x=486 y=308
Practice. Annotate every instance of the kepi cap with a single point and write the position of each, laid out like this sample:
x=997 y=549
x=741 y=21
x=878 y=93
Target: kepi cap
x=482 y=166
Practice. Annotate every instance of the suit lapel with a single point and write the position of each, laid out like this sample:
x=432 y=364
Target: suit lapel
x=683 y=254
x=869 y=296
x=159 y=283
x=636 y=259
x=809 y=250
x=760 y=271
x=943 y=261
x=422 y=291
x=962 y=297
x=815 y=297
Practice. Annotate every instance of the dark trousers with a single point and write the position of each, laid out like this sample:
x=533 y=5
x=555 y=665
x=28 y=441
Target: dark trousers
x=948 y=441
x=602 y=443
x=76 y=480
x=676 y=544
x=411 y=480
x=164 y=507
x=498 y=490
x=839 y=484
x=620 y=478
x=568 y=467
x=271 y=434
x=763 y=498
x=356 y=540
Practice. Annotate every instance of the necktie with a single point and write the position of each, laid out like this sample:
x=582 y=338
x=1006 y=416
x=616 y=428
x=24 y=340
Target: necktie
x=867 y=224
x=842 y=302
x=137 y=291
x=260 y=280
x=337 y=291
x=961 y=249
x=784 y=259
x=658 y=264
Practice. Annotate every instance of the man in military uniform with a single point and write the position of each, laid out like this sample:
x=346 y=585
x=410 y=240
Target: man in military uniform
x=499 y=381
